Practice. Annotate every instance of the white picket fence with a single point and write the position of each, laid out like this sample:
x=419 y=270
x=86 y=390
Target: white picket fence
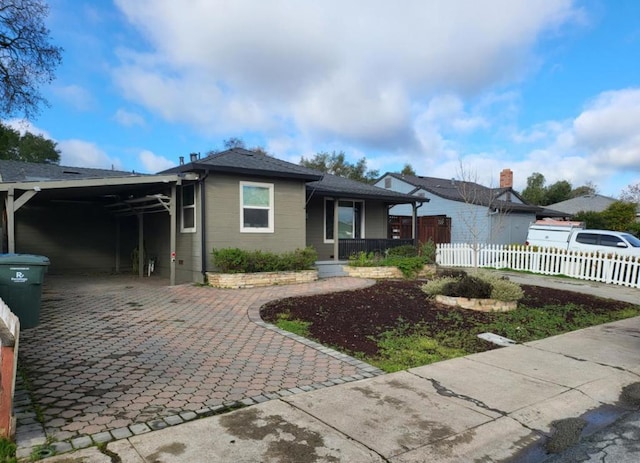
x=607 y=268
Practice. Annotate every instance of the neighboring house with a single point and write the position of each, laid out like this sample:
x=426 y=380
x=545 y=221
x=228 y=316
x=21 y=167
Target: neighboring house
x=585 y=203
x=92 y=220
x=476 y=213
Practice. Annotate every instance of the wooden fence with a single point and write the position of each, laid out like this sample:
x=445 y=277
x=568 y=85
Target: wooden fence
x=606 y=268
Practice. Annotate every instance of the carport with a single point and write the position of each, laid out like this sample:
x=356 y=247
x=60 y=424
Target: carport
x=125 y=199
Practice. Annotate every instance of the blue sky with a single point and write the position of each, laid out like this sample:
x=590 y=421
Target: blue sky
x=455 y=88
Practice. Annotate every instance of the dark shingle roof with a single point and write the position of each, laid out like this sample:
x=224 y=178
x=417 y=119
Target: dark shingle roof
x=239 y=160
x=331 y=185
x=457 y=190
x=18 y=171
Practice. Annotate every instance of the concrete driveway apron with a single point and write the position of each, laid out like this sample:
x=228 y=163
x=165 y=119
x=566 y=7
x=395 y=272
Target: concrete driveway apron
x=117 y=356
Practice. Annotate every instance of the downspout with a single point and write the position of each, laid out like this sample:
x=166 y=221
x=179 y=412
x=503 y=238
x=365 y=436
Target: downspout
x=203 y=227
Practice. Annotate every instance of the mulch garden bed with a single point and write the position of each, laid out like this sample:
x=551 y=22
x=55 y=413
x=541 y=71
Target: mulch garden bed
x=351 y=320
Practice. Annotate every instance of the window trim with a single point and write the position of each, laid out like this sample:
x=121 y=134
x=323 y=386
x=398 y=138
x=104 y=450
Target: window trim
x=270 y=216
x=184 y=229
x=324 y=218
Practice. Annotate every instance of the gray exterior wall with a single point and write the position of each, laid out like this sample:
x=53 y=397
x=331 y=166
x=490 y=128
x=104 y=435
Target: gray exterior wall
x=375 y=225
x=223 y=216
x=188 y=244
x=76 y=238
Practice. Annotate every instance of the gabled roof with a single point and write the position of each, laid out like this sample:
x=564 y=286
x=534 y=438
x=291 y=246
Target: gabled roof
x=591 y=203
x=242 y=161
x=470 y=192
x=332 y=185
x=18 y=171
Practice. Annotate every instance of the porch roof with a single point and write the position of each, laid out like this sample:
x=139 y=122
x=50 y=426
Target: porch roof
x=332 y=185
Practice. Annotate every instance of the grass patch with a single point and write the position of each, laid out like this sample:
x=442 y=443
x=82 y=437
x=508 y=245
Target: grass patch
x=299 y=327
x=399 y=350
x=7 y=451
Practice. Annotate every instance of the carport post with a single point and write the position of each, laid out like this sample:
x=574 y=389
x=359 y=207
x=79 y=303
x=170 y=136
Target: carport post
x=172 y=237
x=11 y=231
x=140 y=245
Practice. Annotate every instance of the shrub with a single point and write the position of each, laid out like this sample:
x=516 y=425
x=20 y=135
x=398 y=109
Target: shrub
x=235 y=260
x=409 y=266
x=453 y=284
x=501 y=288
x=405 y=250
x=451 y=273
x=428 y=252
x=436 y=286
x=468 y=286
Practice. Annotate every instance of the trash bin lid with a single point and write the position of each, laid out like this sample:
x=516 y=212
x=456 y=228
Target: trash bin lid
x=23 y=259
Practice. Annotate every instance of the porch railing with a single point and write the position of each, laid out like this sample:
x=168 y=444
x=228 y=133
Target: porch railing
x=349 y=247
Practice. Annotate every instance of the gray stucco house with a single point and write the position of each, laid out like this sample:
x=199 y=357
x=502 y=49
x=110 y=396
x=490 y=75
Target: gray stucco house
x=92 y=220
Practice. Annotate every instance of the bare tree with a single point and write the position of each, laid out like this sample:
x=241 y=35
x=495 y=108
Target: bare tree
x=483 y=212
x=27 y=59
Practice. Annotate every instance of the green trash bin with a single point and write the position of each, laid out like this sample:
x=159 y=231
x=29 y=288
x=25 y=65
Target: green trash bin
x=21 y=277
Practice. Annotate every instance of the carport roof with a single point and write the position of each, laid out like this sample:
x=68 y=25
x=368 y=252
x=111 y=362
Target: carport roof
x=18 y=171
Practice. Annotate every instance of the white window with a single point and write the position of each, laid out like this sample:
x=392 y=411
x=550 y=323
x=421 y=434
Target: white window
x=188 y=209
x=256 y=207
x=350 y=219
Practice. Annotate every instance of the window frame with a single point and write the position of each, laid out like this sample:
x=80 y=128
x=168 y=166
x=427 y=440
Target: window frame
x=353 y=201
x=183 y=207
x=270 y=228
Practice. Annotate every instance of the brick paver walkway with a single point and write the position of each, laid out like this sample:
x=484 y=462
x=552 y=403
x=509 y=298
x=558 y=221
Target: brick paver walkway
x=114 y=355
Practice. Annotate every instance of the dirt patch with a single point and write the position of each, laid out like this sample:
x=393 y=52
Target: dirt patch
x=352 y=320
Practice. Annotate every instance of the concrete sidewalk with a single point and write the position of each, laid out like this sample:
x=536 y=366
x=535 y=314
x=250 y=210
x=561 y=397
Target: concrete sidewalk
x=493 y=406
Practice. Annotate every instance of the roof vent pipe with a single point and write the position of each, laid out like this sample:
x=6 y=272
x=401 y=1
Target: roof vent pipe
x=181 y=160
x=193 y=157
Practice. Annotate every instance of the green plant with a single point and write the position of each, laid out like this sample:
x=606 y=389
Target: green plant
x=468 y=286
x=428 y=251
x=364 y=259
x=409 y=266
x=451 y=272
x=399 y=350
x=406 y=250
x=235 y=260
x=299 y=327
x=502 y=289
x=436 y=286
x=7 y=451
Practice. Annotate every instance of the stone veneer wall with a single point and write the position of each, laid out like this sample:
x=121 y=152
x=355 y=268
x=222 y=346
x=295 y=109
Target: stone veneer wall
x=379 y=273
x=253 y=280
x=481 y=305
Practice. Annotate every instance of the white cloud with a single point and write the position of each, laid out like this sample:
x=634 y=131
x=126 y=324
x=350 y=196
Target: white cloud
x=329 y=69
x=82 y=153
x=153 y=163
x=23 y=126
x=128 y=118
x=608 y=129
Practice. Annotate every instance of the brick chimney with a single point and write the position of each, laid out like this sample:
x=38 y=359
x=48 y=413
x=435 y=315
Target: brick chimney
x=506 y=178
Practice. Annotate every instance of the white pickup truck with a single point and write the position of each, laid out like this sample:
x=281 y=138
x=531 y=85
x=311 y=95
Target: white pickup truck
x=574 y=237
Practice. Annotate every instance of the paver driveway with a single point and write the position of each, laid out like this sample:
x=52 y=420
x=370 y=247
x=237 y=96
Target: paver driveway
x=113 y=352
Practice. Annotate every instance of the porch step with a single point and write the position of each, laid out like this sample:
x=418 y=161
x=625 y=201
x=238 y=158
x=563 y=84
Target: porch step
x=330 y=268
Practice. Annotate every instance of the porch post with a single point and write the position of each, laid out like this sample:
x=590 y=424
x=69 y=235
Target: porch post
x=336 y=223
x=140 y=245
x=172 y=233
x=117 y=245
x=11 y=231
x=414 y=229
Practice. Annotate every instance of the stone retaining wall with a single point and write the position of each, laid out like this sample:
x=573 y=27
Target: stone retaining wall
x=378 y=273
x=253 y=280
x=481 y=305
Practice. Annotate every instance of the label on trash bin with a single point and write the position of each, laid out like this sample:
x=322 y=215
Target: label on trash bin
x=19 y=277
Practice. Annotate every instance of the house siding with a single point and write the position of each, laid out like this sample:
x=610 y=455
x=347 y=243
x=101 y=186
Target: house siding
x=75 y=237
x=223 y=215
x=375 y=225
